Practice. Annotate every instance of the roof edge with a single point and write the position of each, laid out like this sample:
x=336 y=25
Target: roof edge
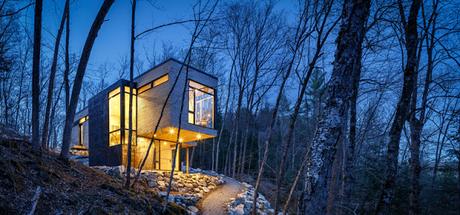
x=177 y=61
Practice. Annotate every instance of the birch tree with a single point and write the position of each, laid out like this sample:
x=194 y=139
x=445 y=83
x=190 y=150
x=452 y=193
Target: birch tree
x=331 y=128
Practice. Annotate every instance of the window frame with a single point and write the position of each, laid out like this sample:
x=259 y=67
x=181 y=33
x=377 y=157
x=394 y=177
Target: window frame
x=111 y=95
x=151 y=84
x=125 y=129
x=81 y=122
x=194 y=103
x=122 y=91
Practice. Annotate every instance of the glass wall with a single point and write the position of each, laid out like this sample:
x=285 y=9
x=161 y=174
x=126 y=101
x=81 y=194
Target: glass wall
x=116 y=126
x=201 y=105
x=82 y=124
x=126 y=115
x=114 y=117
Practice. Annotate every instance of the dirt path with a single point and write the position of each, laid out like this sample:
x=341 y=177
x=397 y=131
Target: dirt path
x=216 y=201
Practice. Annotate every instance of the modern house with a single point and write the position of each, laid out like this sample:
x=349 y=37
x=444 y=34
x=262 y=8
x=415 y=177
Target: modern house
x=101 y=129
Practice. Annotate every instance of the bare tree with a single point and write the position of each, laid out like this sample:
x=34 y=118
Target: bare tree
x=36 y=74
x=49 y=100
x=322 y=26
x=86 y=52
x=199 y=26
x=66 y=58
x=332 y=125
x=402 y=108
x=301 y=33
x=131 y=86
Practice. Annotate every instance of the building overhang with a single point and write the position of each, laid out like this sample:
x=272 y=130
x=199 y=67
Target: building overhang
x=185 y=136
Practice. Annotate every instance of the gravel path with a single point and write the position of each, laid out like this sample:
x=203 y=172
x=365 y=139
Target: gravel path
x=215 y=203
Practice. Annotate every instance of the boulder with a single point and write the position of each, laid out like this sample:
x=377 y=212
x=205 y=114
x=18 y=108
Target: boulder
x=193 y=209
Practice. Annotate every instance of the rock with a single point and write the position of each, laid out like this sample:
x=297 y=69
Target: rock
x=151 y=183
x=245 y=200
x=193 y=209
x=206 y=190
x=161 y=183
x=238 y=210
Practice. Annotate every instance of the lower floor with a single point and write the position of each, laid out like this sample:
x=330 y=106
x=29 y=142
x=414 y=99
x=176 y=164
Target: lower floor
x=160 y=155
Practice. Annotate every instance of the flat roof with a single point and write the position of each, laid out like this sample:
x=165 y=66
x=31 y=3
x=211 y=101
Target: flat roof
x=177 y=61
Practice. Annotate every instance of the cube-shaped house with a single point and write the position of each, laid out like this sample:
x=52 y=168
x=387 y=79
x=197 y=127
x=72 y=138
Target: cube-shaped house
x=101 y=129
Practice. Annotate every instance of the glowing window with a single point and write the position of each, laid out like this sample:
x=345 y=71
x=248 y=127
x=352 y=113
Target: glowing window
x=127 y=90
x=126 y=116
x=160 y=80
x=145 y=88
x=201 y=105
x=114 y=117
x=81 y=126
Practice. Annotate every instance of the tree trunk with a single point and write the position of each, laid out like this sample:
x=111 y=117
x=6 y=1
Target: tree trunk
x=131 y=86
x=299 y=40
x=66 y=60
x=416 y=129
x=417 y=125
x=225 y=115
x=331 y=127
x=350 y=146
x=70 y=113
x=49 y=100
x=36 y=75
x=402 y=108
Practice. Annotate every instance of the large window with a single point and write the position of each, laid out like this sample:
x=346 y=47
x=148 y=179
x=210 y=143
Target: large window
x=118 y=130
x=81 y=126
x=126 y=103
x=201 y=105
x=114 y=117
x=157 y=82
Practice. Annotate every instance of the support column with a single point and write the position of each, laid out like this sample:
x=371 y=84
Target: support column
x=187 y=161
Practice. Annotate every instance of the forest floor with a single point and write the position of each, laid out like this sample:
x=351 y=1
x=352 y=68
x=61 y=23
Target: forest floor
x=216 y=201
x=55 y=186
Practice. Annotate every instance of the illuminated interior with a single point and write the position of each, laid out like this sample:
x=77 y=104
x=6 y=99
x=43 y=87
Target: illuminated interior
x=114 y=117
x=126 y=116
x=170 y=134
x=161 y=80
x=115 y=123
x=81 y=127
x=201 y=105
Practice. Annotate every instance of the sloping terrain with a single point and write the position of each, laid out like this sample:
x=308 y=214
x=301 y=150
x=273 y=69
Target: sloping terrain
x=66 y=187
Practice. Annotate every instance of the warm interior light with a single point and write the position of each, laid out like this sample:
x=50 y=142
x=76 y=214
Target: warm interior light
x=171 y=131
x=155 y=135
x=164 y=143
x=180 y=140
x=198 y=136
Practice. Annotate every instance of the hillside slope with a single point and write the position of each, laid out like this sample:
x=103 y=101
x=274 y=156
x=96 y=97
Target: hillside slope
x=67 y=187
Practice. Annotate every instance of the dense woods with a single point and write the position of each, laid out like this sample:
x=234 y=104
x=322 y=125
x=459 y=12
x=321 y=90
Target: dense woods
x=325 y=107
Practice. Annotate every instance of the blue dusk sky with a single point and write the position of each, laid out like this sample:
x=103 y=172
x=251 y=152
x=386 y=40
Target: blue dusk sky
x=112 y=43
